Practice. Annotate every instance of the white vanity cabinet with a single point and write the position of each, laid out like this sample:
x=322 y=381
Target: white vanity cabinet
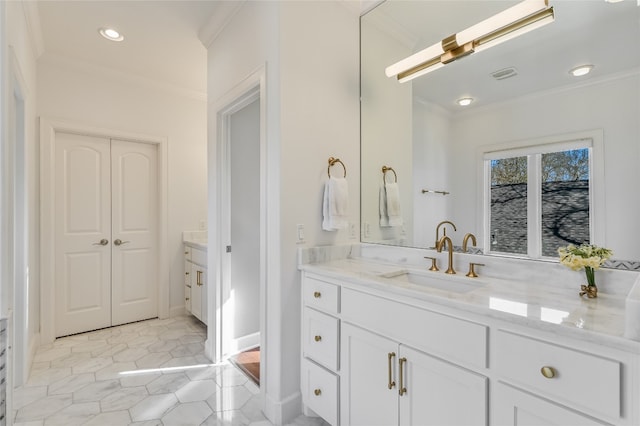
x=320 y=348
x=195 y=270
x=378 y=356
x=386 y=381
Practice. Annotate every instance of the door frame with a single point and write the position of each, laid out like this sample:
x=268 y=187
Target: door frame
x=48 y=129
x=252 y=88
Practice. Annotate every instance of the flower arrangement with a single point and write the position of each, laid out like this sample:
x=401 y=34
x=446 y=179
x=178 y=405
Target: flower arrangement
x=586 y=256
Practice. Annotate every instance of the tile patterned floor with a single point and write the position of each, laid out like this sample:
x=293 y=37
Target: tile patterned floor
x=147 y=373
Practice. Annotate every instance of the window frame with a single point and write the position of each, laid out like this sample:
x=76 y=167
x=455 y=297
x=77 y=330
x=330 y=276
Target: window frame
x=534 y=148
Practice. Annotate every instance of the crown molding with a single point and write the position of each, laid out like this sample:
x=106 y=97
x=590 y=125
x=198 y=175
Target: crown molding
x=112 y=74
x=32 y=17
x=222 y=15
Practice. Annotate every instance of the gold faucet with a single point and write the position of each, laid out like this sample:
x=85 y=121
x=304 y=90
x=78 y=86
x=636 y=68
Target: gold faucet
x=466 y=240
x=446 y=240
x=444 y=230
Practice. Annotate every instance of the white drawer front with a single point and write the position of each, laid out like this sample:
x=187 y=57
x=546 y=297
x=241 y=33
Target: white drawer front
x=321 y=295
x=187 y=252
x=199 y=257
x=187 y=298
x=579 y=379
x=320 y=391
x=454 y=339
x=320 y=338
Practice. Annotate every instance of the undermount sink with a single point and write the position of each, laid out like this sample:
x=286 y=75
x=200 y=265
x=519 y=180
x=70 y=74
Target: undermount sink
x=452 y=284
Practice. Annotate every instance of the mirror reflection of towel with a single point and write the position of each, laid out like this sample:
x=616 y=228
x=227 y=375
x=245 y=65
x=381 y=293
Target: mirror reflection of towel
x=390 y=214
x=335 y=204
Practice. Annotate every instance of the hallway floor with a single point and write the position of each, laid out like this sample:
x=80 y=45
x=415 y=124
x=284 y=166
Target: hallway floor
x=147 y=373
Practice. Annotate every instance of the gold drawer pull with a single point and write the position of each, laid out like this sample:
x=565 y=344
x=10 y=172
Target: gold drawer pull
x=318 y=338
x=392 y=383
x=187 y=299
x=402 y=389
x=317 y=392
x=317 y=295
x=548 y=372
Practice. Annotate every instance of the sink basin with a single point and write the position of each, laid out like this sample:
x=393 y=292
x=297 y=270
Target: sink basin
x=452 y=284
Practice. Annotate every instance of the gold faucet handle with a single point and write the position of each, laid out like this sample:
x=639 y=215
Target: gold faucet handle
x=434 y=265
x=472 y=272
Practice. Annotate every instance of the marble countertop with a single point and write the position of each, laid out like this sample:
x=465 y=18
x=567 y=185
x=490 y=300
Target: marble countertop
x=547 y=308
x=199 y=244
x=196 y=239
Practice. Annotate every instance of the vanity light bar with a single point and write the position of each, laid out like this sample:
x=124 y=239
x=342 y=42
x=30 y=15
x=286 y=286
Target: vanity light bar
x=517 y=20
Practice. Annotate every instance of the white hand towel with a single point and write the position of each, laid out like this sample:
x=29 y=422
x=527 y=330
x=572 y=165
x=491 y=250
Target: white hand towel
x=335 y=204
x=384 y=216
x=393 y=204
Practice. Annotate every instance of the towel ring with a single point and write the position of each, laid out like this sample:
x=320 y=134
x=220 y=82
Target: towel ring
x=333 y=161
x=385 y=169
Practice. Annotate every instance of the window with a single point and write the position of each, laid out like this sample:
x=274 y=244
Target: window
x=539 y=197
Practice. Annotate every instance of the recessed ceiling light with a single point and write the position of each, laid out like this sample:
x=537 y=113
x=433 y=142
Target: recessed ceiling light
x=464 y=101
x=581 y=70
x=111 y=34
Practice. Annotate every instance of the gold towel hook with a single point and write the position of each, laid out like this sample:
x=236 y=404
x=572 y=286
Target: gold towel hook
x=333 y=161
x=385 y=169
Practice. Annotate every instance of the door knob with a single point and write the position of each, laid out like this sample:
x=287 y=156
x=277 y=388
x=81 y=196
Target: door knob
x=102 y=242
x=119 y=242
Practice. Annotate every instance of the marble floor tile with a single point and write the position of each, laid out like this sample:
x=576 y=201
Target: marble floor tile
x=198 y=390
x=149 y=373
x=190 y=413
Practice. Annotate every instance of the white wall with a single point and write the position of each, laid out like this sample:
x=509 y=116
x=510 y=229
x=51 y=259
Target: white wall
x=387 y=130
x=92 y=96
x=310 y=50
x=611 y=105
x=18 y=65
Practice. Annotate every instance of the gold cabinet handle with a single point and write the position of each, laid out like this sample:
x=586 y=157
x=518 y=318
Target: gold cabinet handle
x=392 y=383
x=318 y=338
x=317 y=294
x=199 y=278
x=317 y=392
x=186 y=299
x=548 y=372
x=402 y=390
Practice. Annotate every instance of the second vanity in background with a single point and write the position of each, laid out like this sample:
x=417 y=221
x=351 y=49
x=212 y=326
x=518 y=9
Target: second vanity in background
x=195 y=275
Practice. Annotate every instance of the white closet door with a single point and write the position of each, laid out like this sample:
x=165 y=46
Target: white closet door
x=135 y=224
x=82 y=234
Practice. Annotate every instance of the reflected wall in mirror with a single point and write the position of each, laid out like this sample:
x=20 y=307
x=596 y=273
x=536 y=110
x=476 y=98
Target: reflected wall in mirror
x=435 y=144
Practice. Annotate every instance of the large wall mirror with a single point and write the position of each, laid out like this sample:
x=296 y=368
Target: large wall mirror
x=522 y=94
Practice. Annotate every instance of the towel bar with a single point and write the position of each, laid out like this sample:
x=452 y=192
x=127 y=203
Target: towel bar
x=385 y=169
x=333 y=161
x=424 y=191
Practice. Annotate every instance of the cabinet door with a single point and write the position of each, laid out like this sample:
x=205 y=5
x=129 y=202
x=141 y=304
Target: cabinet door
x=513 y=407
x=439 y=393
x=196 y=291
x=369 y=366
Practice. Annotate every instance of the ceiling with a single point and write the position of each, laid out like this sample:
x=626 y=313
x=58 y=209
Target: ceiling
x=161 y=37
x=606 y=35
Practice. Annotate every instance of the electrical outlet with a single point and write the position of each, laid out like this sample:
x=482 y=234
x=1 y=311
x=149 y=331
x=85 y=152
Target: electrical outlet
x=367 y=229
x=352 y=231
x=299 y=233
x=202 y=225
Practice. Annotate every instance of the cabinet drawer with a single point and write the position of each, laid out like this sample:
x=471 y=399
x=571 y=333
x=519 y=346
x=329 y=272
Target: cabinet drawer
x=320 y=391
x=321 y=295
x=579 y=379
x=187 y=272
x=187 y=252
x=453 y=339
x=320 y=338
x=199 y=256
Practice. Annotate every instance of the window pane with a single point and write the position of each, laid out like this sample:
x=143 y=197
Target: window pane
x=509 y=205
x=565 y=199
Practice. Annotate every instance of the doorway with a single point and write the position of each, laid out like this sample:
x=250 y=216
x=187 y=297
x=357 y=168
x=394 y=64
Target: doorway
x=103 y=250
x=238 y=241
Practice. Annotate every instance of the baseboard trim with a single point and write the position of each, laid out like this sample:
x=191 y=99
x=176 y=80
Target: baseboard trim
x=283 y=412
x=245 y=342
x=177 y=311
